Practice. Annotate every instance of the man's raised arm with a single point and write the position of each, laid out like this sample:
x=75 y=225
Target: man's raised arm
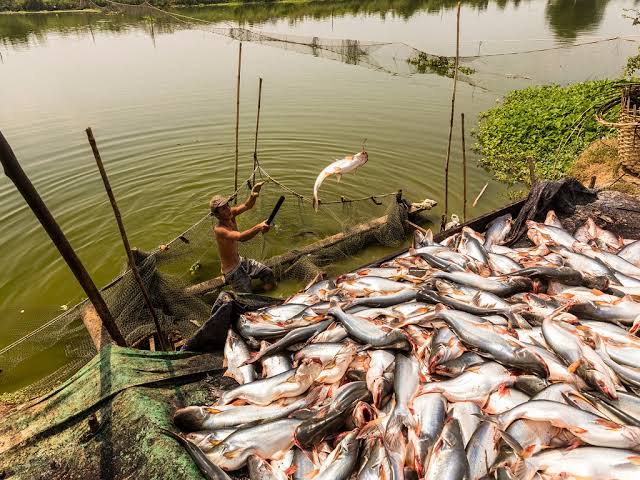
x=248 y=234
x=249 y=202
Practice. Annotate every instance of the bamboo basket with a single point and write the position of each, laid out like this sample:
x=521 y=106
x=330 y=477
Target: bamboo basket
x=628 y=126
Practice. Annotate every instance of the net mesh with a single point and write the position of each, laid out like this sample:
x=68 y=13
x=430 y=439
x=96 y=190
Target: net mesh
x=340 y=230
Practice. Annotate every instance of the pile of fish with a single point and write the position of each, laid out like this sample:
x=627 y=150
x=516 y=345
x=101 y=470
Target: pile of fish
x=464 y=359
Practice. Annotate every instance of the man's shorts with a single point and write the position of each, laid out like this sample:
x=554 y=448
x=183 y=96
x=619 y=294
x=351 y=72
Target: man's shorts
x=240 y=277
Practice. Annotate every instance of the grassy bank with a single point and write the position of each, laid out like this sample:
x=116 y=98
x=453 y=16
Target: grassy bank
x=552 y=124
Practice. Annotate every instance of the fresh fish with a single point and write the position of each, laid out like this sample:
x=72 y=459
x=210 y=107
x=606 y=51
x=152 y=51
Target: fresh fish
x=267 y=441
x=205 y=440
x=430 y=412
x=216 y=418
x=565 y=341
x=473 y=248
x=502 y=286
x=588 y=427
x=335 y=333
x=275 y=365
x=502 y=265
x=621 y=347
x=614 y=261
x=448 y=460
x=468 y=416
x=457 y=366
x=383 y=300
x=482 y=450
x=260 y=469
x=291 y=338
x=304 y=466
x=375 y=463
x=586 y=265
x=490 y=341
x=379 y=375
x=629 y=375
x=342 y=461
x=236 y=353
x=631 y=253
x=405 y=384
x=287 y=384
x=581 y=463
x=365 y=286
x=553 y=220
x=542 y=234
x=369 y=333
x=474 y=385
x=622 y=310
x=347 y=164
x=497 y=231
x=208 y=469
x=445 y=347
x=504 y=399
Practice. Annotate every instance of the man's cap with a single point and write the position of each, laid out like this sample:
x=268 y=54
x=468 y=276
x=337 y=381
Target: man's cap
x=218 y=201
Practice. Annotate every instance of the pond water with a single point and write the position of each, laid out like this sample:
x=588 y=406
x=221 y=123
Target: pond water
x=160 y=97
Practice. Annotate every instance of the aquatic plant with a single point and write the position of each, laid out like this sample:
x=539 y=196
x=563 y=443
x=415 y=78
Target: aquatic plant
x=444 y=66
x=552 y=124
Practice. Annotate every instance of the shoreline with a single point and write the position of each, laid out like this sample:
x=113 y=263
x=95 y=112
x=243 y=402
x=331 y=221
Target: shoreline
x=214 y=3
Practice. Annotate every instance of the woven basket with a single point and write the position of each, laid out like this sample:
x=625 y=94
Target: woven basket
x=628 y=126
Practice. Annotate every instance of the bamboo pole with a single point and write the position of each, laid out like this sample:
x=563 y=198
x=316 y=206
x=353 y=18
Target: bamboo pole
x=464 y=173
x=235 y=175
x=255 y=144
x=13 y=170
x=125 y=240
x=475 y=202
x=453 y=103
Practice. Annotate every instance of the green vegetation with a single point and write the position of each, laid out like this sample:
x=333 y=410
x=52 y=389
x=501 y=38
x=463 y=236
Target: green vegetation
x=444 y=66
x=552 y=124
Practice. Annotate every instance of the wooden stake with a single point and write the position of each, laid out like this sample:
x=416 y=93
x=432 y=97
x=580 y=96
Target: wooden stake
x=464 y=173
x=125 y=240
x=475 y=202
x=255 y=144
x=532 y=170
x=235 y=175
x=453 y=103
x=13 y=170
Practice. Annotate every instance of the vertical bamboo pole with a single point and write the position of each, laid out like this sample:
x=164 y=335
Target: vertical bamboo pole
x=125 y=240
x=453 y=103
x=13 y=170
x=464 y=173
x=235 y=175
x=255 y=143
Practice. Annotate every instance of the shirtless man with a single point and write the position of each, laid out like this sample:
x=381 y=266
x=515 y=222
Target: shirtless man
x=238 y=271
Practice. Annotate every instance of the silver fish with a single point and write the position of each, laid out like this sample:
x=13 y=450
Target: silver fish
x=473 y=248
x=365 y=286
x=455 y=367
x=430 y=412
x=236 y=353
x=303 y=463
x=275 y=365
x=553 y=220
x=287 y=384
x=375 y=464
x=612 y=260
x=585 y=462
x=342 y=461
x=405 y=384
x=260 y=469
x=445 y=346
x=379 y=376
x=504 y=399
x=448 y=460
x=474 y=385
x=589 y=428
x=348 y=164
x=497 y=231
x=566 y=343
x=482 y=450
x=503 y=286
x=467 y=414
x=206 y=440
x=378 y=336
x=502 y=265
x=631 y=253
x=196 y=418
x=267 y=441
x=542 y=234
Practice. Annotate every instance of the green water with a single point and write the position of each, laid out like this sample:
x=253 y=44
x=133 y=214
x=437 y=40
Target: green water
x=161 y=101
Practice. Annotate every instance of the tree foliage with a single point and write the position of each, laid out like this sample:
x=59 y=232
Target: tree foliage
x=552 y=124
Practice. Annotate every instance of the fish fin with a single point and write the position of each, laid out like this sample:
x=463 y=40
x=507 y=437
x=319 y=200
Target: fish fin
x=212 y=410
x=291 y=470
x=574 y=366
x=485 y=418
x=608 y=424
x=635 y=459
x=231 y=454
x=514 y=444
x=228 y=373
x=338 y=177
x=312 y=474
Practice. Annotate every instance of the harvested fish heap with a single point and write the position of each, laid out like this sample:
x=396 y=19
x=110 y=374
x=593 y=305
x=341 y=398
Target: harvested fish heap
x=460 y=360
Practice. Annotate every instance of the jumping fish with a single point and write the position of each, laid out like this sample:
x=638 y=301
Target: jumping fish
x=345 y=165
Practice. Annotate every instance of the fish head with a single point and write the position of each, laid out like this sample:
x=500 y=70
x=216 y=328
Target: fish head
x=189 y=418
x=603 y=382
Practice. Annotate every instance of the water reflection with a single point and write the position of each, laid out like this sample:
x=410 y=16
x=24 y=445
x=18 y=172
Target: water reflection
x=569 y=18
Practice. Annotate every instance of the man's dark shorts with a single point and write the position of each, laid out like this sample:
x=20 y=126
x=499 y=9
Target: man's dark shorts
x=240 y=277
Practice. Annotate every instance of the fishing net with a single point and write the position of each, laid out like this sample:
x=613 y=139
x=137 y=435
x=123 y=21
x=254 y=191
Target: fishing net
x=301 y=244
